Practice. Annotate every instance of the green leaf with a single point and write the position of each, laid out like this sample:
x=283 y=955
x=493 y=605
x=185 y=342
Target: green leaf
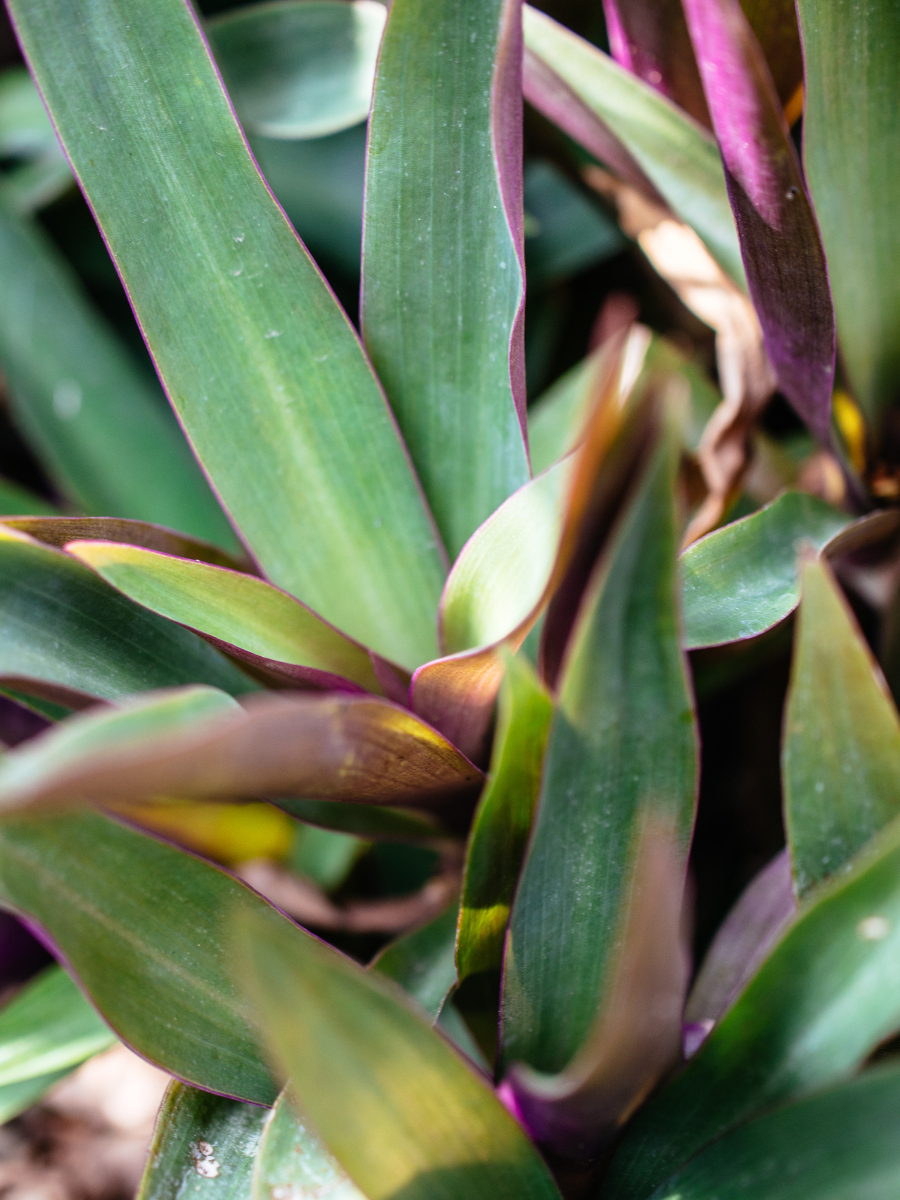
x=232 y=609
x=423 y=962
x=572 y=234
x=199 y=743
x=839 y=1145
x=144 y=927
x=376 y=822
x=442 y=278
x=851 y=145
x=679 y=156
x=293 y=1163
x=38 y=171
x=391 y=1100
x=742 y=579
x=98 y=424
x=63 y=628
x=49 y=1027
x=323 y=855
x=622 y=748
x=16 y=500
x=203 y=1146
x=824 y=998
x=262 y=366
x=497 y=844
x=841 y=736
x=557 y=416
x=300 y=68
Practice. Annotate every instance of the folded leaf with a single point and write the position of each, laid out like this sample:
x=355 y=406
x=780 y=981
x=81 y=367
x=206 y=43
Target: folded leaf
x=824 y=998
x=851 y=148
x=263 y=368
x=293 y=1162
x=48 y=1027
x=64 y=630
x=299 y=69
x=779 y=237
x=622 y=749
x=443 y=286
x=143 y=927
x=841 y=752
x=497 y=844
x=676 y=154
x=391 y=1100
x=58 y=531
x=422 y=962
x=95 y=420
x=202 y=1146
x=238 y=613
x=742 y=579
x=839 y=1144
x=197 y=742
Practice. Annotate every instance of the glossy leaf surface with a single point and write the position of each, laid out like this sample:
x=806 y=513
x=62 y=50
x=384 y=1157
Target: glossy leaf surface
x=676 y=154
x=851 y=148
x=48 y=1027
x=443 y=281
x=263 y=368
x=841 y=736
x=838 y=1145
x=779 y=237
x=62 y=626
x=300 y=69
x=293 y=1162
x=197 y=742
x=96 y=421
x=203 y=1146
x=824 y=998
x=742 y=579
x=422 y=962
x=392 y=1101
x=144 y=927
x=622 y=748
x=231 y=608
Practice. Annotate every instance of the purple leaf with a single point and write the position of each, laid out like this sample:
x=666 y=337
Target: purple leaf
x=779 y=237
x=651 y=40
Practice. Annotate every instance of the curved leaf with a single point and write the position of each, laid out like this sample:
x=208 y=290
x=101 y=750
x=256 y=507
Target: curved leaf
x=63 y=628
x=442 y=215
x=144 y=927
x=95 y=420
x=775 y=24
x=824 y=998
x=838 y=1145
x=742 y=579
x=237 y=612
x=391 y=1100
x=199 y=743
x=203 y=1145
x=422 y=962
x=841 y=754
x=263 y=368
x=292 y=1161
x=300 y=68
x=371 y=821
x=58 y=531
x=676 y=154
x=851 y=148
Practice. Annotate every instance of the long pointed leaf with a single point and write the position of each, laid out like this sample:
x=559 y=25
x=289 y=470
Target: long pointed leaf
x=780 y=242
x=391 y=1100
x=443 y=287
x=58 y=531
x=622 y=747
x=841 y=736
x=261 y=365
x=676 y=154
x=144 y=927
x=851 y=147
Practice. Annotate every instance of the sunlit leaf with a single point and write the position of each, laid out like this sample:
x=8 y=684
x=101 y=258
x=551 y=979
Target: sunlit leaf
x=300 y=68
x=851 y=147
x=677 y=155
x=143 y=926
x=203 y=1146
x=263 y=368
x=443 y=215
x=391 y=1100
